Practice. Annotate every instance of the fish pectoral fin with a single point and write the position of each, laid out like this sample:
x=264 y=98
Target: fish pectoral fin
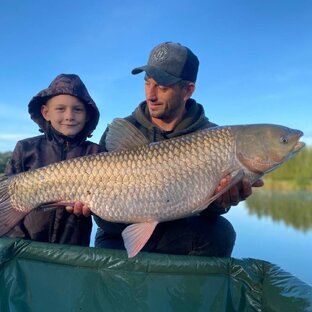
x=232 y=179
x=55 y=205
x=136 y=235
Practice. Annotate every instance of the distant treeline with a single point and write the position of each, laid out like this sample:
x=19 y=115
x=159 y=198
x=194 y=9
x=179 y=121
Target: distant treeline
x=4 y=157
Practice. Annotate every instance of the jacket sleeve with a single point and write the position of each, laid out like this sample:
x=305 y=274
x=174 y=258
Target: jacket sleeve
x=109 y=227
x=15 y=164
x=213 y=210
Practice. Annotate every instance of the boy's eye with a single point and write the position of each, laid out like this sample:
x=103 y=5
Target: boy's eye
x=79 y=109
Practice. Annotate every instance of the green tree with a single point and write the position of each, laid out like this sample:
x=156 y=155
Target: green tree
x=4 y=157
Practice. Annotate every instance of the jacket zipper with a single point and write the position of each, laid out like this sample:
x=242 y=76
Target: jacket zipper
x=64 y=150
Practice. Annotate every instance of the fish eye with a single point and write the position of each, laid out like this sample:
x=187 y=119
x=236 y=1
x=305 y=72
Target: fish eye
x=284 y=139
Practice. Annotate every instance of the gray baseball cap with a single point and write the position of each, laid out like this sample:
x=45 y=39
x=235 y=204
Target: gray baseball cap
x=170 y=63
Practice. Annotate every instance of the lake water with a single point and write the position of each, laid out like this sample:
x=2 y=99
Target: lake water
x=276 y=227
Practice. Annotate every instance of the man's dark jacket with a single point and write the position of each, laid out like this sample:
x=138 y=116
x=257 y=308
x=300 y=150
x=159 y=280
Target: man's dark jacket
x=193 y=120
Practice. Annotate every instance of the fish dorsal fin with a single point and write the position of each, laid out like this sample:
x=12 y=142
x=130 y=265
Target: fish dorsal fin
x=123 y=135
x=136 y=235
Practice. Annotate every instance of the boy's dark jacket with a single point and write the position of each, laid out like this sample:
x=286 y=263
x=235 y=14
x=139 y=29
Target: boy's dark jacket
x=56 y=226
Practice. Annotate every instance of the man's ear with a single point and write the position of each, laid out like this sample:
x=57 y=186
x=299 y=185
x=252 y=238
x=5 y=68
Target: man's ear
x=189 y=90
x=44 y=112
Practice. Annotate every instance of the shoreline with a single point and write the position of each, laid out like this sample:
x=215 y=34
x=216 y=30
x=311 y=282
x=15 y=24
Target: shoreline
x=288 y=185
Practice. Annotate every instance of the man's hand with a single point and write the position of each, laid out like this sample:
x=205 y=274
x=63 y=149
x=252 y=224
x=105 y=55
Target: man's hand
x=78 y=209
x=235 y=194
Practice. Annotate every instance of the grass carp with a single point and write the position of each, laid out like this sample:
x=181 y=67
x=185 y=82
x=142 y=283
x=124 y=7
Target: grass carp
x=143 y=184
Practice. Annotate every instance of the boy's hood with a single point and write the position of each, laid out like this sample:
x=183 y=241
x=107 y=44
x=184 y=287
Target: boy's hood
x=65 y=84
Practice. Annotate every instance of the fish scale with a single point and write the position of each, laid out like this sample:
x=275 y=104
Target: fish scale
x=151 y=183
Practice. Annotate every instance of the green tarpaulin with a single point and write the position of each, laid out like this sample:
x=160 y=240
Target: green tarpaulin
x=41 y=277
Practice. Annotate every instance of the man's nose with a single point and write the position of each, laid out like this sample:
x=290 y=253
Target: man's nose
x=151 y=94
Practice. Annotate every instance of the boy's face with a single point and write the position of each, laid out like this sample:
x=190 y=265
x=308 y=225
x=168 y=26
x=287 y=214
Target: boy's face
x=66 y=113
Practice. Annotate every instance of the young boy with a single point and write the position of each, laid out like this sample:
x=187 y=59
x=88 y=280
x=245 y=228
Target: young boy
x=67 y=115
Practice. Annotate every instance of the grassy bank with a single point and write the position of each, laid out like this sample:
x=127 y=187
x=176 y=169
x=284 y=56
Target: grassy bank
x=288 y=185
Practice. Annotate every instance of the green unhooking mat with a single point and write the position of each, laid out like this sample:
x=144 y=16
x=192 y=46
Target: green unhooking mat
x=40 y=277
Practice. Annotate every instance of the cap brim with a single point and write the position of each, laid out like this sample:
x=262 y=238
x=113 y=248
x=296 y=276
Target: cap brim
x=138 y=70
x=160 y=76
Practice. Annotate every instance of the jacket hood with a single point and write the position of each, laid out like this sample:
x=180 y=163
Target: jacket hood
x=193 y=120
x=65 y=84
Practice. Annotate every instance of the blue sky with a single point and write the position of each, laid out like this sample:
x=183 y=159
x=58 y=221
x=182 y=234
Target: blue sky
x=255 y=56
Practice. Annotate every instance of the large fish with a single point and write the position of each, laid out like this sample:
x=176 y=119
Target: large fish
x=143 y=184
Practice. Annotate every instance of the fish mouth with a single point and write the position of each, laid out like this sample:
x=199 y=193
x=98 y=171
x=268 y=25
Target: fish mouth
x=299 y=145
x=297 y=148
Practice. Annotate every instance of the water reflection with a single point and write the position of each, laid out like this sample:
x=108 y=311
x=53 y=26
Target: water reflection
x=294 y=208
x=262 y=232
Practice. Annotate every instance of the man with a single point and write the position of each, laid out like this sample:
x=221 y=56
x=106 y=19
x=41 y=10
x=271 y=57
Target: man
x=168 y=112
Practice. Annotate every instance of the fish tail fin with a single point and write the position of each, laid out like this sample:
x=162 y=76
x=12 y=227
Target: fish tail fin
x=9 y=216
x=136 y=235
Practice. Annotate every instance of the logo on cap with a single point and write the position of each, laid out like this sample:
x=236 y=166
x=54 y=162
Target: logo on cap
x=161 y=54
